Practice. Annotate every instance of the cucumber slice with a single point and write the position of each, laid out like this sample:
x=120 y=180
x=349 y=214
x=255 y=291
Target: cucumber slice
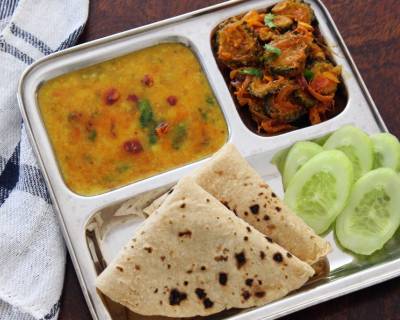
x=356 y=145
x=322 y=140
x=279 y=159
x=298 y=155
x=319 y=190
x=386 y=151
x=372 y=214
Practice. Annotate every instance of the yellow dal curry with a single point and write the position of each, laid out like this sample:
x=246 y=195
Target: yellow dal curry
x=131 y=117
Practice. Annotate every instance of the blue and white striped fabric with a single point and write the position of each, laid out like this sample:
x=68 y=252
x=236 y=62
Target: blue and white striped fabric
x=32 y=252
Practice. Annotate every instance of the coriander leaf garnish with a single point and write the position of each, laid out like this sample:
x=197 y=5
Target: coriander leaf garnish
x=308 y=74
x=276 y=51
x=252 y=72
x=92 y=135
x=269 y=20
x=146 y=113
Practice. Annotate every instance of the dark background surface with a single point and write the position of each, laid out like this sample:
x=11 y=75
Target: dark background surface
x=371 y=30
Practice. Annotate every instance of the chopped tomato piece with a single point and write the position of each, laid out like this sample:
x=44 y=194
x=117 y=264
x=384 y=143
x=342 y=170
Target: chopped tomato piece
x=172 y=100
x=133 y=146
x=111 y=96
x=74 y=116
x=162 y=128
x=133 y=98
x=148 y=80
x=89 y=125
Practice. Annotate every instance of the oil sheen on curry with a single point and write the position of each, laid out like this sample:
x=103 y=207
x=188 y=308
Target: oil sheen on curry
x=130 y=118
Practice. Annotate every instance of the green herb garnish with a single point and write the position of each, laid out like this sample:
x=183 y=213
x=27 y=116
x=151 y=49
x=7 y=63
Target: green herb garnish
x=147 y=120
x=274 y=50
x=252 y=72
x=308 y=74
x=210 y=100
x=152 y=136
x=269 y=20
x=92 y=135
x=146 y=113
x=123 y=168
x=179 y=135
x=203 y=113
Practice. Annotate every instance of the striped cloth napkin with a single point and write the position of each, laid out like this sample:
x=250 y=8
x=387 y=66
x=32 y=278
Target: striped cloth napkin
x=32 y=252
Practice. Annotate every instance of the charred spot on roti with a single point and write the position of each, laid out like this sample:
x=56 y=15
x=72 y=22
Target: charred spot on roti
x=273 y=195
x=137 y=267
x=289 y=255
x=208 y=200
x=185 y=283
x=148 y=249
x=261 y=193
x=162 y=258
x=156 y=290
x=170 y=191
x=161 y=303
x=268 y=239
x=226 y=204
x=176 y=297
x=255 y=208
x=168 y=266
x=249 y=282
x=262 y=255
x=246 y=213
x=278 y=209
x=263 y=185
x=186 y=234
x=219 y=172
x=208 y=303
x=240 y=259
x=183 y=205
x=223 y=278
x=235 y=212
x=221 y=258
x=203 y=268
x=265 y=205
x=246 y=238
x=246 y=295
x=200 y=293
x=260 y=282
x=271 y=227
x=248 y=229
x=260 y=294
x=120 y=269
x=266 y=217
x=277 y=257
x=189 y=271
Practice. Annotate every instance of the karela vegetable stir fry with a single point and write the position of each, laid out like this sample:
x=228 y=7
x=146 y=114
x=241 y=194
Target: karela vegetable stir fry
x=279 y=66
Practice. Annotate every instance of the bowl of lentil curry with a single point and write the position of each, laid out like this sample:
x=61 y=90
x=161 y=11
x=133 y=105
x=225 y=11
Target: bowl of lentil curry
x=131 y=117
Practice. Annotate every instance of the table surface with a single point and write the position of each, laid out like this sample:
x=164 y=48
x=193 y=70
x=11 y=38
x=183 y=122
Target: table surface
x=371 y=30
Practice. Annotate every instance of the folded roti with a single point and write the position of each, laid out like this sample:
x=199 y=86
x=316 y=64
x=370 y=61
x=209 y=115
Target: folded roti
x=193 y=256
x=230 y=179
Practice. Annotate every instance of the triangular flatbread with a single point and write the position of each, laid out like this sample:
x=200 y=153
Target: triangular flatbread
x=193 y=256
x=229 y=178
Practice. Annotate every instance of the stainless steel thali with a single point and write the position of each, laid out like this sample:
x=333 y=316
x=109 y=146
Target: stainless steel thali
x=92 y=230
